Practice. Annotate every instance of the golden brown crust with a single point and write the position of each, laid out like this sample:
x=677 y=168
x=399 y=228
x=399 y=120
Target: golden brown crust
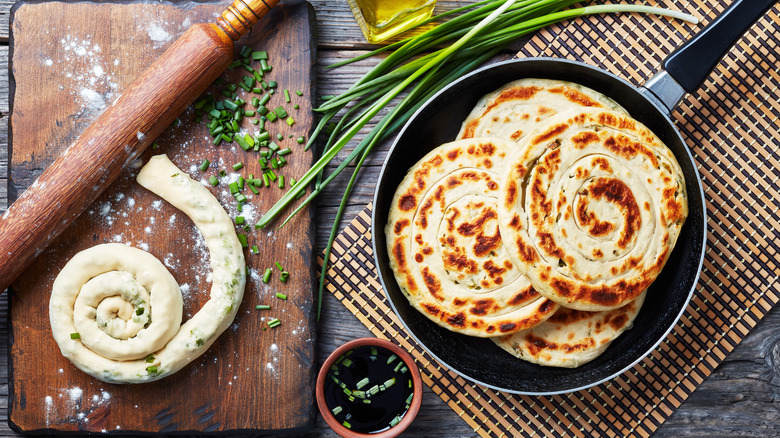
x=445 y=246
x=593 y=204
x=513 y=110
x=571 y=337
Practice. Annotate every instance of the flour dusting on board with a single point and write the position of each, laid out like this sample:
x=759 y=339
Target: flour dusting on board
x=77 y=405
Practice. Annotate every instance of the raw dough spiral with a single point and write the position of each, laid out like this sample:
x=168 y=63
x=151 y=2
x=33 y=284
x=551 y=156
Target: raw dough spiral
x=592 y=205
x=116 y=311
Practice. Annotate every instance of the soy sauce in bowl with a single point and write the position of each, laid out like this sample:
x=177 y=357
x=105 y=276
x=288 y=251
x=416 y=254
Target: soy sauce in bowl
x=369 y=386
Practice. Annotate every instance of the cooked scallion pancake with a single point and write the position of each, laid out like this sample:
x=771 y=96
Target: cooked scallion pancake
x=571 y=337
x=516 y=108
x=445 y=247
x=592 y=205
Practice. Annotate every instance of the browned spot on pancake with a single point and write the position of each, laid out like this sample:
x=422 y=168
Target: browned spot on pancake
x=453 y=154
x=525 y=253
x=514 y=223
x=552 y=161
x=418 y=258
x=468 y=131
x=427 y=250
x=575 y=96
x=511 y=194
x=539 y=197
x=483 y=306
x=432 y=283
x=547 y=305
x=602 y=163
x=458 y=302
x=597 y=253
x=547 y=243
x=474 y=324
x=487 y=148
x=432 y=309
x=521 y=296
x=400 y=225
x=436 y=160
x=457 y=320
x=423 y=213
x=617 y=192
x=407 y=202
x=512 y=94
x=490 y=329
x=492 y=185
x=493 y=270
x=568 y=316
x=470 y=150
x=583 y=139
x=439 y=194
x=618 y=322
x=562 y=288
x=459 y=262
x=517 y=134
x=471 y=228
x=550 y=133
x=485 y=244
x=399 y=253
x=419 y=239
x=586 y=217
x=507 y=326
x=454 y=214
x=536 y=345
x=487 y=164
x=495 y=118
x=675 y=211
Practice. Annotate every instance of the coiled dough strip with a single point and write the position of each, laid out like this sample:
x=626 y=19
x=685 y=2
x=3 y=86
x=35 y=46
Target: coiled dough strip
x=127 y=308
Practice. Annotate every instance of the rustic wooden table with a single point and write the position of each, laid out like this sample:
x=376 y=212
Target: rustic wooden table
x=741 y=398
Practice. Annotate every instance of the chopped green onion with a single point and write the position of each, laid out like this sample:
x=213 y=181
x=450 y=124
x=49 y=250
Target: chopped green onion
x=281 y=181
x=233 y=188
x=263 y=307
x=280 y=111
x=240 y=220
x=259 y=55
x=213 y=180
x=290 y=121
x=279 y=266
x=300 y=140
x=245 y=51
x=287 y=95
x=281 y=296
x=238 y=166
x=299 y=92
x=75 y=336
x=151 y=369
x=205 y=165
x=284 y=151
x=267 y=275
x=242 y=239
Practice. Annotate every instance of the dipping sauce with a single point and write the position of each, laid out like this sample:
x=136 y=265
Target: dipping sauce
x=368 y=389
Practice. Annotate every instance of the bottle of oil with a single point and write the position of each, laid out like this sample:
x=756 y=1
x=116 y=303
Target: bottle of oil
x=381 y=19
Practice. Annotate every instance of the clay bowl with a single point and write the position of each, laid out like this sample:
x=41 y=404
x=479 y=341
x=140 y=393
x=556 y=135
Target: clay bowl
x=411 y=413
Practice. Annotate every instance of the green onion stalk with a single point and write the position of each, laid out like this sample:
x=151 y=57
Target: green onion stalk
x=420 y=66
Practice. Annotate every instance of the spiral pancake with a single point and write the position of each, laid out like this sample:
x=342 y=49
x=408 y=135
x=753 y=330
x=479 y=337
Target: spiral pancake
x=445 y=247
x=116 y=311
x=571 y=337
x=517 y=108
x=591 y=208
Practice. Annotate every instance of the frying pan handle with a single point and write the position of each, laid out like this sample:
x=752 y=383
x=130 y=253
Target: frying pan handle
x=692 y=63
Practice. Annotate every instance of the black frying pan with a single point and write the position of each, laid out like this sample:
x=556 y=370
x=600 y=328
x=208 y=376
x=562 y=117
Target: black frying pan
x=439 y=120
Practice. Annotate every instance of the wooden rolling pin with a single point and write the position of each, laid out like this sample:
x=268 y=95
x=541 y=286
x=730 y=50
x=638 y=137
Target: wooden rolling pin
x=124 y=130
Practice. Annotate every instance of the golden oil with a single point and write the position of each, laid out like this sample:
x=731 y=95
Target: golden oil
x=382 y=19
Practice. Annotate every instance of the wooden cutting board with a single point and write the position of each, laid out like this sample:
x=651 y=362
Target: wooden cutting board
x=68 y=61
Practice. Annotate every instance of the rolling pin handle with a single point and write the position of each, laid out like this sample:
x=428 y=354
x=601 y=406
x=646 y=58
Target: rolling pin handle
x=240 y=16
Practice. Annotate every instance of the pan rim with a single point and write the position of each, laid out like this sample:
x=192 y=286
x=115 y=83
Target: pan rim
x=663 y=112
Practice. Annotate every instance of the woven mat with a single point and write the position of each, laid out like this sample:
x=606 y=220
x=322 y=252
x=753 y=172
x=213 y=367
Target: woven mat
x=731 y=125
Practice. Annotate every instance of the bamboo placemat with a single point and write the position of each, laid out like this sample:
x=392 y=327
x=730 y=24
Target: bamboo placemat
x=731 y=125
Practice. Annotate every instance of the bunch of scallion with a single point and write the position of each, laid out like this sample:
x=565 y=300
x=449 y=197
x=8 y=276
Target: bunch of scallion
x=417 y=68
